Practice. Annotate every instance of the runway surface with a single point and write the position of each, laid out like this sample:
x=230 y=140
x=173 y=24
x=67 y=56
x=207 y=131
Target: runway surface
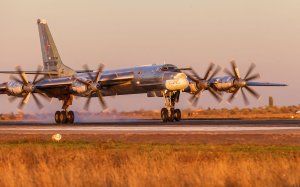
x=155 y=126
x=261 y=132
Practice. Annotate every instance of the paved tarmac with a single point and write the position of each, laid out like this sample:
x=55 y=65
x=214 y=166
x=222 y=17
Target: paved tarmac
x=155 y=127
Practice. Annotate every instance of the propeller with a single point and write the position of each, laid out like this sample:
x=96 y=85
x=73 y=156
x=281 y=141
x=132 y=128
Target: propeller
x=29 y=88
x=240 y=83
x=93 y=86
x=204 y=83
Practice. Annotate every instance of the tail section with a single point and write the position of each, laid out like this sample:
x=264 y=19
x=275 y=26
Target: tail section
x=51 y=58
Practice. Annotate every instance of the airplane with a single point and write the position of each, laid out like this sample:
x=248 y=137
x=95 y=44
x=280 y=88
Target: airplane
x=165 y=80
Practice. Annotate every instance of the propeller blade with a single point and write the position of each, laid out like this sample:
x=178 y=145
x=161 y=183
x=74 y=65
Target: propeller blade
x=191 y=99
x=86 y=68
x=87 y=104
x=195 y=74
x=12 y=99
x=192 y=78
x=99 y=72
x=228 y=72
x=209 y=69
x=217 y=70
x=195 y=103
x=82 y=81
x=37 y=101
x=253 y=92
x=24 y=78
x=24 y=101
x=39 y=69
x=245 y=97
x=39 y=80
x=235 y=69
x=102 y=102
x=216 y=95
x=233 y=95
x=251 y=68
x=256 y=76
x=22 y=75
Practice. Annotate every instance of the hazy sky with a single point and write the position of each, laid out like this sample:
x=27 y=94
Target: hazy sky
x=136 y=32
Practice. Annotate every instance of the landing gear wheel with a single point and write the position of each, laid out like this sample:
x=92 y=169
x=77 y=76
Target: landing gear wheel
x=164 y=114
x=63 y=117
x=171 y=115
x=57 y=117
x=70 y=117
x=177 y=115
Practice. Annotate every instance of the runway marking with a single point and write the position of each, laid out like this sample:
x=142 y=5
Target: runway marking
x=146 y=129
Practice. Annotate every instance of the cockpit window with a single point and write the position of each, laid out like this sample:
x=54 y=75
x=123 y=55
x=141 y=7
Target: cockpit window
x=169 y=67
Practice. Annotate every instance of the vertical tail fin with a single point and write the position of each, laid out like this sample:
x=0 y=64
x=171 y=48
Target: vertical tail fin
x=51 y=58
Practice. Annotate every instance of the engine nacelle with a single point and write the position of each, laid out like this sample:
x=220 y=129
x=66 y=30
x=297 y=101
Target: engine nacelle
x=14 y=88
x=79 y=87
x=224 y=84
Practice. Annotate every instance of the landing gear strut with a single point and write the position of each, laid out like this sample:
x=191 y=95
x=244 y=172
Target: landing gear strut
x=169 y=113
x=65 y=116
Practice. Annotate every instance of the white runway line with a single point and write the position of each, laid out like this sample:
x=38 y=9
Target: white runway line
x=146 y=129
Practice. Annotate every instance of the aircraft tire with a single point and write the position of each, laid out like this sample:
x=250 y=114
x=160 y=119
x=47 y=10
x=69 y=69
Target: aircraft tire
x=171 y=117
x=177 y=115
x=63 y=117
x=164 y=114
x=56 y=117
x=70 y=117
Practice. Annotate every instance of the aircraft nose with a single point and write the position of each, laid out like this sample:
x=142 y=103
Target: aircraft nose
x=180 y=76
x=179 y=82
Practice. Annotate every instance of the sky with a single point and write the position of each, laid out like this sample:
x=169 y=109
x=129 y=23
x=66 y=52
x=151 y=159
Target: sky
x=186 y=33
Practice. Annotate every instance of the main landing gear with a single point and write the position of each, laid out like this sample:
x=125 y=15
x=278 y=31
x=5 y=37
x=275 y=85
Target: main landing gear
x=169 y=113
x=65 y=116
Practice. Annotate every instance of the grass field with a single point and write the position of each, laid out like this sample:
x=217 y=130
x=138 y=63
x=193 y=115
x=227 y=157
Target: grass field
x=42 y=163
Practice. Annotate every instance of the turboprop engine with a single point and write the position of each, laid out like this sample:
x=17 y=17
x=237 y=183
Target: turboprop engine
x=199 y=84
x=226 y=84
x=14 y=88
x=79 y=87
x=22 y=87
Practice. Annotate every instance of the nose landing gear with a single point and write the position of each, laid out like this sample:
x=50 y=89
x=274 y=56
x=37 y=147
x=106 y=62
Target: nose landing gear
x=169 y=113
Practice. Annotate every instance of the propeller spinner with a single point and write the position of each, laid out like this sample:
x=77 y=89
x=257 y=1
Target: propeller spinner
x=240 y=83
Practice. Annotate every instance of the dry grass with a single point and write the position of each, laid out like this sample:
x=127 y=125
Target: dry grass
x=115 y=164
x=283 y=112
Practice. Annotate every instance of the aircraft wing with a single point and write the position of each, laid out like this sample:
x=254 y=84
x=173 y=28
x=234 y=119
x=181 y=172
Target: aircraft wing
x=116 y=78
x=264 y=84
x=61 y=85
x=30 y=72
x=107 y=80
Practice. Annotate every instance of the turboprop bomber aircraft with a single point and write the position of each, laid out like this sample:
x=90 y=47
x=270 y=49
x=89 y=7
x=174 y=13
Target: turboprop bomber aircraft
x=56 y=80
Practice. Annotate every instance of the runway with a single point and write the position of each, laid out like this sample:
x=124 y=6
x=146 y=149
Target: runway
x=203 y=131
x=156 y=126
